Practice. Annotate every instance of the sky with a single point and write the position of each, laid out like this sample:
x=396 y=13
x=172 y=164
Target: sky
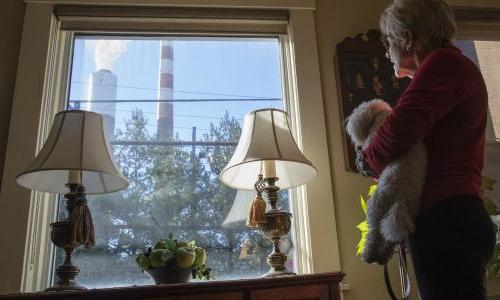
x=204 y=68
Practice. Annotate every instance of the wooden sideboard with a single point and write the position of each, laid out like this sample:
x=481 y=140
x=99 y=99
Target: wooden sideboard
x=322 y=286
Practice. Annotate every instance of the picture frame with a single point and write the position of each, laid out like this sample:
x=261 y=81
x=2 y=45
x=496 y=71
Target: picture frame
x=364 y=73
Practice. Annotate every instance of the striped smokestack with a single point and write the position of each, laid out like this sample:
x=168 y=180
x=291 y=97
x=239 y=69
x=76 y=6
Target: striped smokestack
x=165 y=110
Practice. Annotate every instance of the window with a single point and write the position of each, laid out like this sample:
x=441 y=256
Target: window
x=486 y=56
x=41 y=92
x=173 y=110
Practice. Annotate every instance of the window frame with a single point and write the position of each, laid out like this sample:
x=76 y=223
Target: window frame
x=67 y=46
x=44 y=68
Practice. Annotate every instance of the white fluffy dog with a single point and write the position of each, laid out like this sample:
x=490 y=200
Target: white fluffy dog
x=392 y=209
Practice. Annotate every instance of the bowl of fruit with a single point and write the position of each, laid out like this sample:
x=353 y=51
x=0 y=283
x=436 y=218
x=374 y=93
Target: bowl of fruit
x=173 y=261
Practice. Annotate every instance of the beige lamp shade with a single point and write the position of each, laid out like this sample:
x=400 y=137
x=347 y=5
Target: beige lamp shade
x=266 y=136
x=76 y=142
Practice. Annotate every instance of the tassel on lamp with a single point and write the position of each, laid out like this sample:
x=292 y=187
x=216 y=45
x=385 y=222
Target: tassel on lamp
x=257 y=213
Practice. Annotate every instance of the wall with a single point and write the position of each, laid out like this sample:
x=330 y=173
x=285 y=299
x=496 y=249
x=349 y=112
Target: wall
x=335 y=20
x=11 y=24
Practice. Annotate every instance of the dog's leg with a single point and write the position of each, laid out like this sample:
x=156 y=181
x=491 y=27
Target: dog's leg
x=374 y=241
x=398 y=223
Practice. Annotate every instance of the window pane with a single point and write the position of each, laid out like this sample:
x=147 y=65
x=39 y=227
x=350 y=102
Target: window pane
x=173 y=109
x=485 y=54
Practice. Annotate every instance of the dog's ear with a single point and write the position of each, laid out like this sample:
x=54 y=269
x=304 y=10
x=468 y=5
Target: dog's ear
x=344 y=123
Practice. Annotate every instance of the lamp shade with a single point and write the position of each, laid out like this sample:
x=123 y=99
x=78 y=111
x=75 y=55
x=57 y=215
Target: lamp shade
x=266 y=136
x=238 y=214
x=76 y=142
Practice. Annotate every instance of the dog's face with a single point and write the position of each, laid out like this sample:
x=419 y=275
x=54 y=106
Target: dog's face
x=365 y=119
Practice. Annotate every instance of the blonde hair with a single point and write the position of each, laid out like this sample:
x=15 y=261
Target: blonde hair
x=430 y=22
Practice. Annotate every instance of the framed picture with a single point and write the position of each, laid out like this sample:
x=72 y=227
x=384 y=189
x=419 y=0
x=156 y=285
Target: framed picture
x=364 y=73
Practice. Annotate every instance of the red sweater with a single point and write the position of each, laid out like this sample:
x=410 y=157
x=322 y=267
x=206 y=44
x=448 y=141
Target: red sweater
x=446 y=106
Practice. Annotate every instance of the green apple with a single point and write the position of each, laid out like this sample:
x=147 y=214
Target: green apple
x=180 y=245
x=167 y=256
x=157 y=258
x=185 y=257
x=201 y=256
x=160 y=245
x=143 y=262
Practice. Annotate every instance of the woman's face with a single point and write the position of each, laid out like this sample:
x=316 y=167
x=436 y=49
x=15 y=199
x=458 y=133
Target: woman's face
x=405 y=61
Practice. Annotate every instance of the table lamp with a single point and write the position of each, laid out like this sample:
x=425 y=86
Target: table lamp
x=267 y=154
x=76 y=159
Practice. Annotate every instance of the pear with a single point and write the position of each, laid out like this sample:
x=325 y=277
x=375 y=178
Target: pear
x=201 y=256
x=143 y=262
x=157 y=258
x=185 y=257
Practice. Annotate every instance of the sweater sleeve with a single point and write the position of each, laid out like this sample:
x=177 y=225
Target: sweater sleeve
x=435 y=90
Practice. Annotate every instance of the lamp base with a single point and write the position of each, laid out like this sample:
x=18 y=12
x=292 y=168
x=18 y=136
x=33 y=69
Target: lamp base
x=276 y=227
x=277 y=260
x=60 y=236
x=66 y=272
x=65 y=287
x=274 y=274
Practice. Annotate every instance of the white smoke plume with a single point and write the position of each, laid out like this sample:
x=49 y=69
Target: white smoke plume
x=106 y=52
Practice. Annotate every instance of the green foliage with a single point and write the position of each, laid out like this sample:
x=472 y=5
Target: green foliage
x=493 y=266
x=487 y=185
x=203 y=272
x=363 y=226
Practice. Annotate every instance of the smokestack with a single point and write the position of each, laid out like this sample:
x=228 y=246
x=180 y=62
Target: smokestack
x=103 y=81
x=103 y=88
x=165 y=110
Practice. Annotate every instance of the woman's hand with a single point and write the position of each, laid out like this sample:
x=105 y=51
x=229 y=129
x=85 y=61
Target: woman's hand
x=361 y=164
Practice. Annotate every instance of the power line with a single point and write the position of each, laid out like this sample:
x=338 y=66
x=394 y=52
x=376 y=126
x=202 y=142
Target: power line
x=173 y=100
x=179 y=115
x=155 y=126
x=172 y=143
x=175 y=91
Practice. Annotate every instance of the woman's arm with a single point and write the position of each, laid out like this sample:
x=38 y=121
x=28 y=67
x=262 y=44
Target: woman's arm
x=438 y=87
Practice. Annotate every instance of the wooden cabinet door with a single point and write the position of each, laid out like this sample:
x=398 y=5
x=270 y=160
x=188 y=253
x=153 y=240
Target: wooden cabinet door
x=301 y=292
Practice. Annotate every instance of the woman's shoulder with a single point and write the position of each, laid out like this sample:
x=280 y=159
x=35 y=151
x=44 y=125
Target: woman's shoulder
x=449 y=55
x=447 y=60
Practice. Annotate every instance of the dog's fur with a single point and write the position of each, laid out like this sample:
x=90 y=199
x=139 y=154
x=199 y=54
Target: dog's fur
x=392 y=209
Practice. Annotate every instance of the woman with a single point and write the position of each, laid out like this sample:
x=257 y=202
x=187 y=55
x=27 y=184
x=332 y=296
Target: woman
x=445 y=105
